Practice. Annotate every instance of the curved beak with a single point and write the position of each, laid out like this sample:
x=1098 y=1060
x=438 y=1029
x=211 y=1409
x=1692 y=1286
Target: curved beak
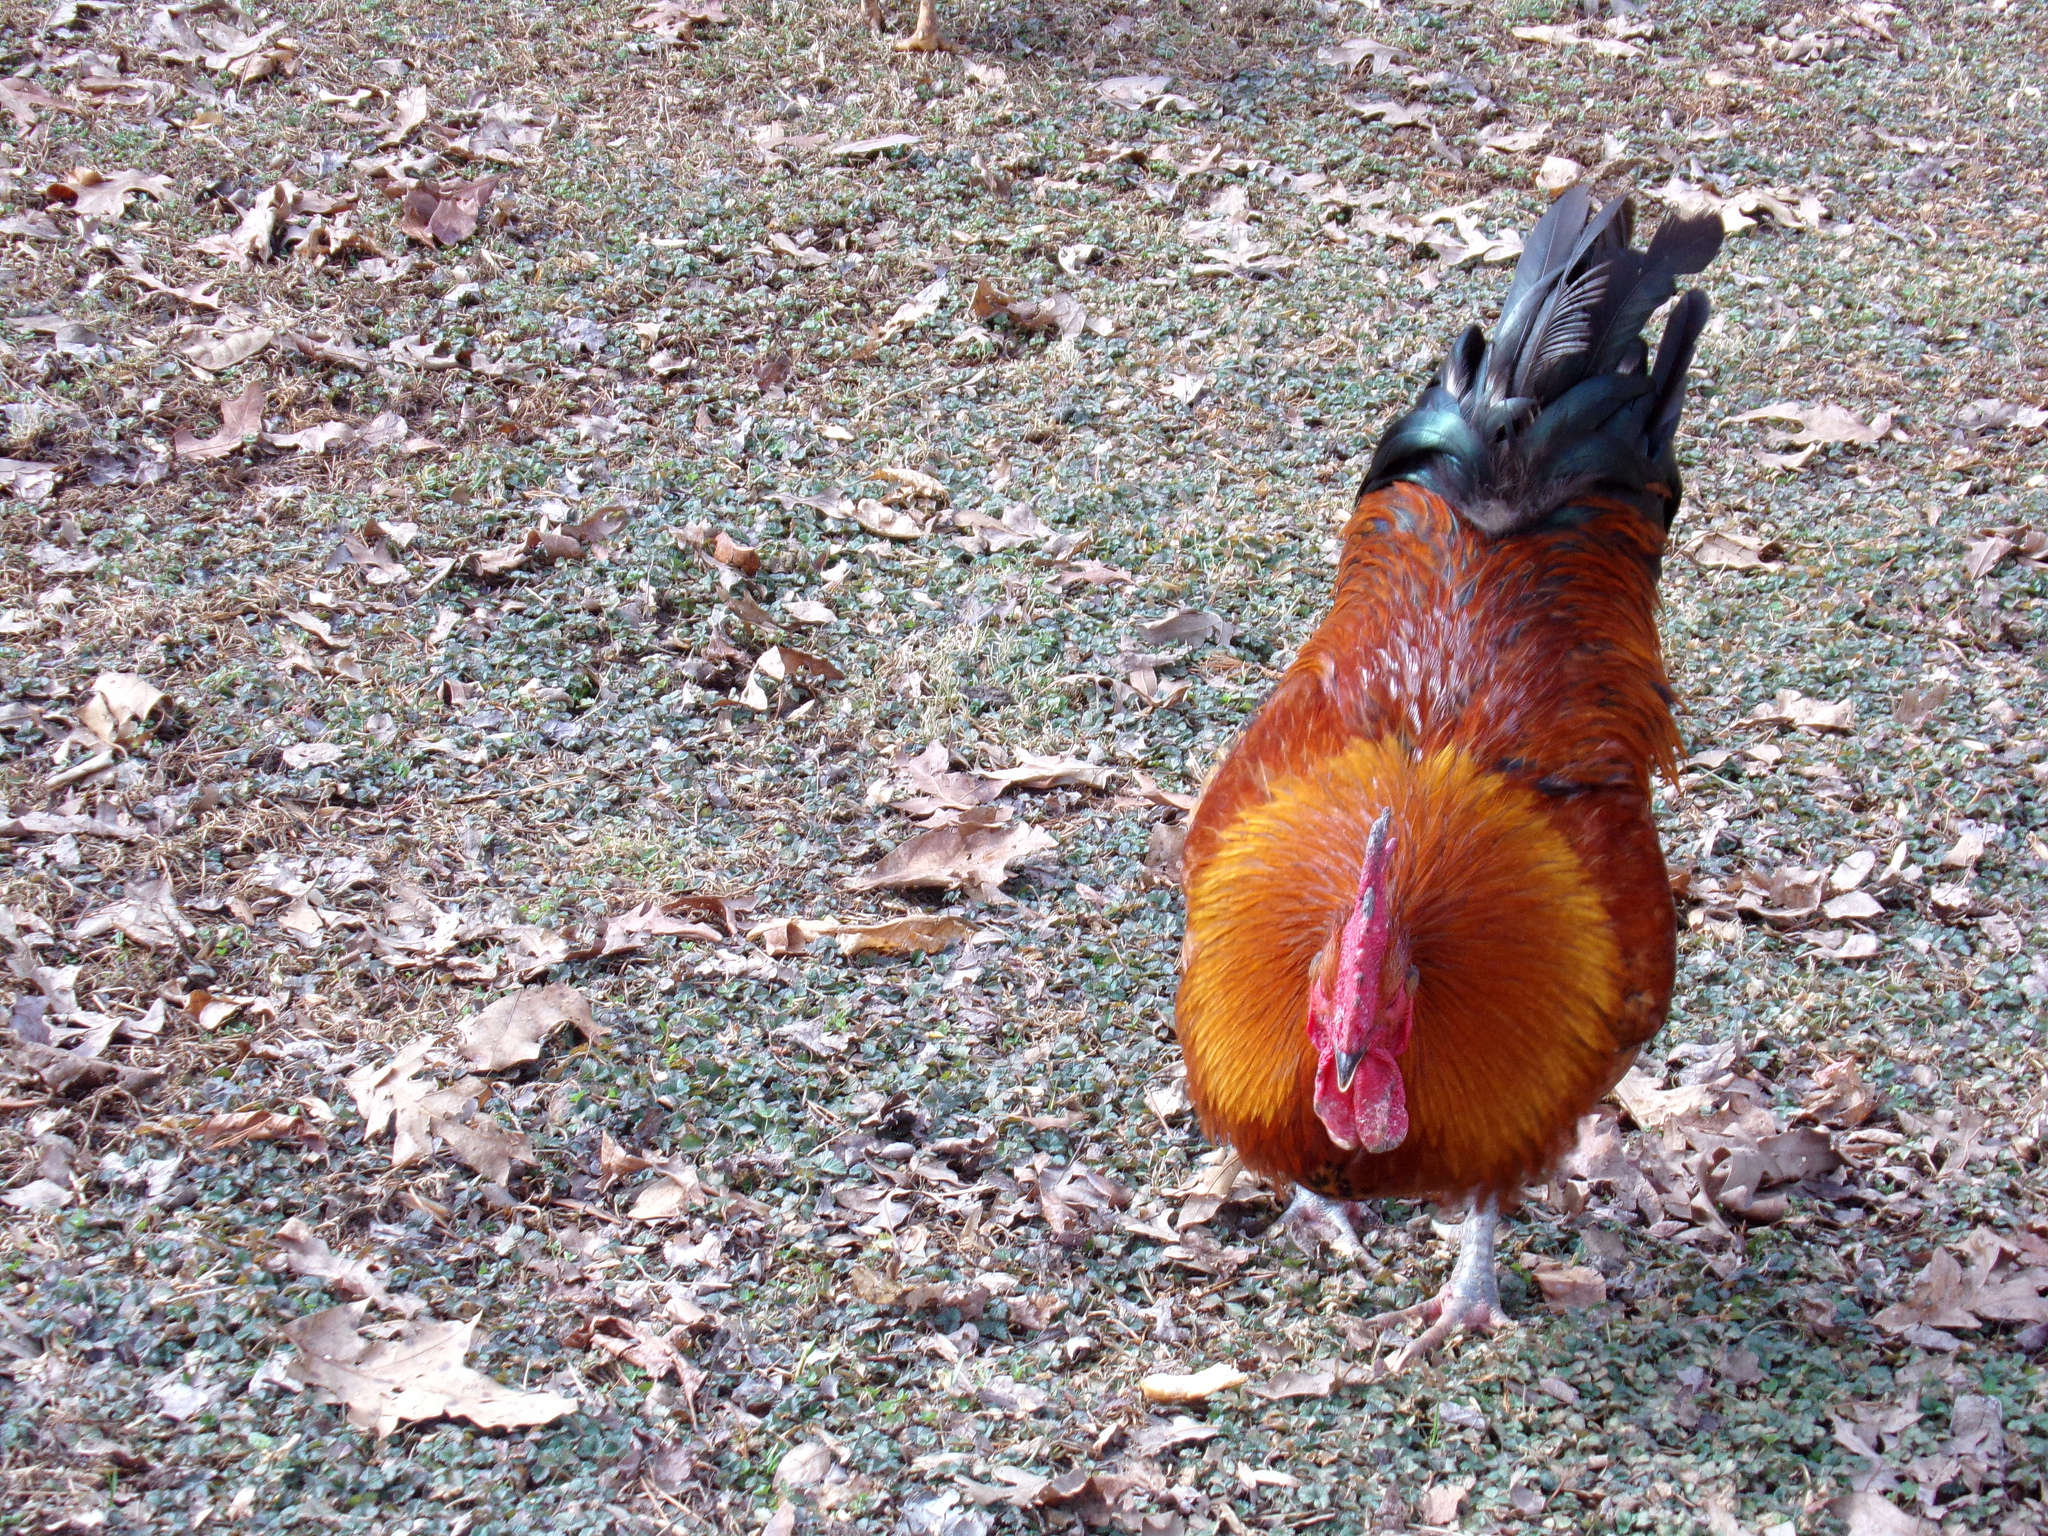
x=1347 y=1068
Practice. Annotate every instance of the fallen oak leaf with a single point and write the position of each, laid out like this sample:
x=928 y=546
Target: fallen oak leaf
x=21 y=98
x=1819 y=424
x=92 y=195
x=628 y=931
x=634 y=1342
x=1566 y=1287
x=513 y=1029
x=678 y=20
x=1031 y=771
x=419 y=1375
x=148 y=914
x=409 y=110
x=918 y=308
x=485 y=1146
x=978 y=861
x=241 y=418
x=307 y=1254
x=919 y=935
x=122 y=708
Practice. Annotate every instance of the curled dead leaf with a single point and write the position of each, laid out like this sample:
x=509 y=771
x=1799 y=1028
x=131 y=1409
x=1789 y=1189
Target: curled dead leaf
x=1198 y=1387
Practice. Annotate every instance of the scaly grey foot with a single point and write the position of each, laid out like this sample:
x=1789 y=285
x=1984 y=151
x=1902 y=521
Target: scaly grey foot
x=1329 y=1221
x=1469 y=1303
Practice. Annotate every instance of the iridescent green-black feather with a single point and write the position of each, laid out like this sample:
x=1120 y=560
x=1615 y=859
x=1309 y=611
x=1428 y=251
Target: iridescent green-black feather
x=1565 y=402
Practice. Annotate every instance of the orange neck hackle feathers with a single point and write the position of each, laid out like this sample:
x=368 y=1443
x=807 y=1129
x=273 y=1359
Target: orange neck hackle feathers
x=1359 y=1013
x=1512 y=955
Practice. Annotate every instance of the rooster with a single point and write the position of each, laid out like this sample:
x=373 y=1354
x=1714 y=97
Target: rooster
x=1428 y=920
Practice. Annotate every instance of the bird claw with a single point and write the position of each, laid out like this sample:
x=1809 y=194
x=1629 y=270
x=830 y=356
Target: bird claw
x=1468 y=1303
x=1329 y=1222
x=1448 y=1315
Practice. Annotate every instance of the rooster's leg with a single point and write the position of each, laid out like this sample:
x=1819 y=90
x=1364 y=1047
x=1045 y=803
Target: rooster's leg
x=1327 y=1220
x=1470 y=1303
x=926 y=38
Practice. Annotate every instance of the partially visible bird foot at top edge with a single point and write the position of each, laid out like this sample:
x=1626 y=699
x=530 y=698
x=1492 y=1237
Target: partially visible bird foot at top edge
x=1330 y=1222
x=925 y=38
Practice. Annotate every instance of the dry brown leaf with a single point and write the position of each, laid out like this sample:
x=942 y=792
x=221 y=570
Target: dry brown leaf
x=1286 y=1384
x=445 y=213
x=674 y=1194
x=914 y=481
x=1872 y=1514
x=93 y=195
x=805 y=1466
x=419 y=1375
x=920 y=307
x=1578 y=35
x=624 y=1338
x=504 y=133
x=1198 y=1387
x=1058 y=312
x=308 y=1254
x=862 y=149
x=147 y=914
x=1514 y=141
x=409 y=109
x=29 y=481
x=1442 y=1501
x=1993 y=1288
x=1795 y=709
x=512 y=1029
x=1653 y=1106
x=122 y=708
x=241 y=418
x=631 y=930
x=1134 y=93
x=1839 y=1097
x=1163 y=847
x=918 y=935
x=1735 y=552
x=1744 y=209
x=1031 y=771
x=219 y=1132
x=1185 y=625
x=677 y=20
x=1568 y=1286
x=221 y=350
x=976 y=861
x=782 y=663
x=485 y=1145
x=21 y=99
x=1821 y=424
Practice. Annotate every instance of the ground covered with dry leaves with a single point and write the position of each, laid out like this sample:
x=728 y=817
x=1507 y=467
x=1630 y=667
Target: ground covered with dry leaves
x=609 y=617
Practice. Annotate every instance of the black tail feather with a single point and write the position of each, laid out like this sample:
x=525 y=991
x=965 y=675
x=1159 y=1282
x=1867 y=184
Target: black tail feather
x=1512 y=432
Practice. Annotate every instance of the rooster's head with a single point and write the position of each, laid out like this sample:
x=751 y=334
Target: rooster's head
x=1359 y=1009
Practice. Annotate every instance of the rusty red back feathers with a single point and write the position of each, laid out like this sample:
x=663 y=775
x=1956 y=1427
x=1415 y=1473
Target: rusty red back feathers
x=1490 y=672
